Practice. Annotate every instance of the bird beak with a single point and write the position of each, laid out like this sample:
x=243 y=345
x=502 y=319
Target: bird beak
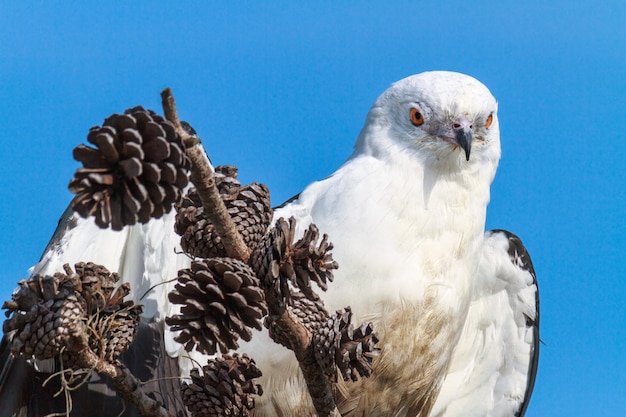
x=463 y=134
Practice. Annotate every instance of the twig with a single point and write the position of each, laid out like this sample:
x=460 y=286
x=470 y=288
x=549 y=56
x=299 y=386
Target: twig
x=65 y=389
x=130 y=389
x=125 y=382
x=156 y=285
x=300 y=339
x=203 y=178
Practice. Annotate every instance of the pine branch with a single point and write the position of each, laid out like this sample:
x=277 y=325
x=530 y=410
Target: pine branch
x=79 y=317
x=203 y=178
x=300 y=339
x=125 y=382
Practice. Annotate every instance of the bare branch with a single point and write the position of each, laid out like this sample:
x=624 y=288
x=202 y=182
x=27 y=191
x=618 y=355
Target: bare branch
x=203 y=178
x=125 y=382
x=300 y=341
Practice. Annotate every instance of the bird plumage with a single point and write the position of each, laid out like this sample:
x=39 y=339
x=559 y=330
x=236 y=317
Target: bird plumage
x=406 y=213
x=455 y=309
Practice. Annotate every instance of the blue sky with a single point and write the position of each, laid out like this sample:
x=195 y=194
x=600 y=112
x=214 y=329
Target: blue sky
x=281 y=90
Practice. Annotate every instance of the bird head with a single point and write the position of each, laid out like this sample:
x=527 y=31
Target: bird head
x=439 y=115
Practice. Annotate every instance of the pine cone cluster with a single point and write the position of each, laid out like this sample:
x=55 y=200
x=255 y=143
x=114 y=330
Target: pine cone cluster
x=221 y=300
x=224 y=388
x=338 y=345
x=311 y=314
x=136 y=171
x=280 y=262
x=249 y=208
x=43 y=314
x=46 y=311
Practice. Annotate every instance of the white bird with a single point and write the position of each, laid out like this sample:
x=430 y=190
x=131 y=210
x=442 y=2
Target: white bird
x=456 y=309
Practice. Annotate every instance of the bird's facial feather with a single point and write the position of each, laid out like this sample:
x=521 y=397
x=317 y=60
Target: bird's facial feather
x=427 y=112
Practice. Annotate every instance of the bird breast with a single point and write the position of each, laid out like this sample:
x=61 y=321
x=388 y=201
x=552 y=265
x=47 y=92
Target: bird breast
x=391 y=244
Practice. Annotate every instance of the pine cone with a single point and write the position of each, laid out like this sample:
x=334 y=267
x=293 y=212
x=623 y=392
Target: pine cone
x=226 y=181
x=225 y=387
x=47 y=311
x=311 y=314
x=44 y=313
x=338 y=345
x=114 y=321
x=117 y=329
x=96 y=285
x=278 y=261
x=249 y=208
x=221 y=300
x=136 y=171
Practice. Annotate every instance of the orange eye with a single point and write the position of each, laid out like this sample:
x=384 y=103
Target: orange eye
x=489 y=121
x=416 y=117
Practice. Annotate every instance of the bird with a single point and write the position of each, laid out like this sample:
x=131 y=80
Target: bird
x=455 y=307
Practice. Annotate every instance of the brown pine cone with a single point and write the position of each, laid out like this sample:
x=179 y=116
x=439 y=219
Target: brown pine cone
x=224 y=388
x=249 y=208
x=136 y=171
x=311 y=314
x=97 y=285
x=43 y=314
x=113 y=321
x=221 y=300
x=338 y=345
x=226 y=181
x=279 y=262
x=111 y=333
x=117 y=328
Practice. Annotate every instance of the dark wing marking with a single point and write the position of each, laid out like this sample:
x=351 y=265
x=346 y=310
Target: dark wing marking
x=520 y=257
x=291 y=200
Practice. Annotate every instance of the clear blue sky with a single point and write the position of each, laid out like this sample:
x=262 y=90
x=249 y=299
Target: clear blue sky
x=281 y=90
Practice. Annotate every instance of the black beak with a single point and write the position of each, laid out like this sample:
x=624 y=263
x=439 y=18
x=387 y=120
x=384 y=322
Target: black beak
x=463 y=137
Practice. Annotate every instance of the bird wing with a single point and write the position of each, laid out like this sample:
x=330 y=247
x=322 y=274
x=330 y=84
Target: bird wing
x=147 y=257
x=144 y=255
x=495 y=363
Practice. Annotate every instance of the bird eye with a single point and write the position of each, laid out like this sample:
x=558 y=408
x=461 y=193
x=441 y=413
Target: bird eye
x=416 y=117
x=489 y=121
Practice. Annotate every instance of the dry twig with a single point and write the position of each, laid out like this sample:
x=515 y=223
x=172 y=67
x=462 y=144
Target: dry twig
x=203 y=178
x=125 y=382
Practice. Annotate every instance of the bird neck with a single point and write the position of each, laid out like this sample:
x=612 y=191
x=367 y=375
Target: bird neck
x=425 y=224
x=434 y=194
